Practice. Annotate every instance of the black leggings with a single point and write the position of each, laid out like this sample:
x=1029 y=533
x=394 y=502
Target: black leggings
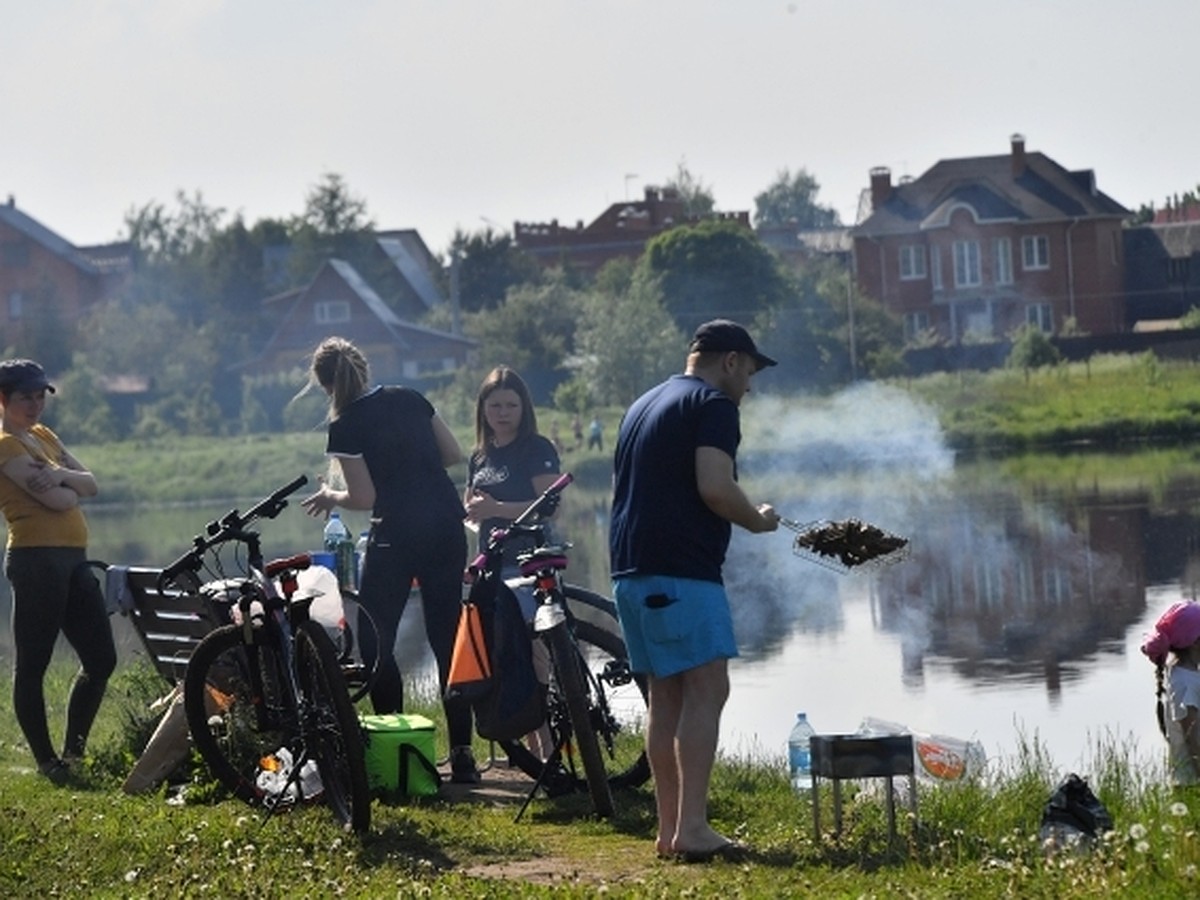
x=53 y=591
x=436 y=559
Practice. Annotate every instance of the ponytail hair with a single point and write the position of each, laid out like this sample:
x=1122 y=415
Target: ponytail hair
x=1160 y=713
x=341 y=369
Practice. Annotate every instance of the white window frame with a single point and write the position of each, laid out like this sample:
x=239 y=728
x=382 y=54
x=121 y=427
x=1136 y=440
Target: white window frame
x=1004 y=266
x=1040 y=316
x=331 y=312
x=915 y=323
x=912 y=262
x=966 y=264
x=1035 y=252
x=935 y=266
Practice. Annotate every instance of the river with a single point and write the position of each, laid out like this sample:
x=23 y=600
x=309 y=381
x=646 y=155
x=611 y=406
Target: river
x=1014 y=619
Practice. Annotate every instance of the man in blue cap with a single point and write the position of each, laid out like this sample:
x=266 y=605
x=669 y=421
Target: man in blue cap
x=675 y=498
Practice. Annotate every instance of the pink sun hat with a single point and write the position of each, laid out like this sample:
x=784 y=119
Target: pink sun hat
x=1175 y=629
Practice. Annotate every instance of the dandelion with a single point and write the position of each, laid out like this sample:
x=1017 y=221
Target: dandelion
x=1168 y=828
x=1189 y=871
x=1137 y=831
x=131 y=876
x=1142 y=847
x=1178 y=809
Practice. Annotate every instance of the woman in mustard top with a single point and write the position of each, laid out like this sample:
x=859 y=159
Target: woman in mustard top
x=53 y=589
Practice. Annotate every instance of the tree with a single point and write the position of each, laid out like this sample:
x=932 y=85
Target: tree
x=489 y=263
x=626 y=343
x=712 y=269
x=792 y=200
x=1032 y=349
x=533 y=331
x=697 y=197
x=334 y=224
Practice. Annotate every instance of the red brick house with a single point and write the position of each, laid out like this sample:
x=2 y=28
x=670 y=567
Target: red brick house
x=339 y=301
x=975 y=247
x=621 y=231
x=42 y=275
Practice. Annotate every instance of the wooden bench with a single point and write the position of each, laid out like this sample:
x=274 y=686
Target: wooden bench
x=169 y=623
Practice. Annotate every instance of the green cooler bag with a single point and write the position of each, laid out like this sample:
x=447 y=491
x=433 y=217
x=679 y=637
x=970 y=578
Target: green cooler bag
x=400 y=754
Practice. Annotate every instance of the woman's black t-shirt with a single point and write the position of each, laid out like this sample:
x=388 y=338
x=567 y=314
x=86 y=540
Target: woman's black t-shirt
x=506 y=473
x=391 y=428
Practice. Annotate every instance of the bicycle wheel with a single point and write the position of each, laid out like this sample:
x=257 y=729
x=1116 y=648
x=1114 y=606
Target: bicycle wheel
x=618 y=697
x=574 y=687
x=330 y=729
x=239 y=713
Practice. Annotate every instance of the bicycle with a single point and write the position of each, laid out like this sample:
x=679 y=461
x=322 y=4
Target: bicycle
x=265 y=696
x=593 y=699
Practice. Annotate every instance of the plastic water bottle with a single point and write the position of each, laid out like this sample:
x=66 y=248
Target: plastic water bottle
x=338 y=542
x=799 y=754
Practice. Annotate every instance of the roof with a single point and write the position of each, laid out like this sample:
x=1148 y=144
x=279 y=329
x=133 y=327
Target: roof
x=382 y=311
x=406 y=259
x=36 y=231
x=986 y=185
x=1180 y=239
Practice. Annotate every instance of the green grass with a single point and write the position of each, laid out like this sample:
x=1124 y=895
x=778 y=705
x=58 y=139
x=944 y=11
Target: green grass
x=1106 y=401
x=975 y=840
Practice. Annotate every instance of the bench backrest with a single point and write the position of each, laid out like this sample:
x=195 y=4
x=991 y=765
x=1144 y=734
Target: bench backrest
x=170 y=623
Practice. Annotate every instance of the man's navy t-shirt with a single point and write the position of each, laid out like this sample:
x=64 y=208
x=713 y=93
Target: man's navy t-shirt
x=660 y=525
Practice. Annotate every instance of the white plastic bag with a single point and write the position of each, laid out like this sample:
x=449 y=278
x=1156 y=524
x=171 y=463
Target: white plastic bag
x=936 y=757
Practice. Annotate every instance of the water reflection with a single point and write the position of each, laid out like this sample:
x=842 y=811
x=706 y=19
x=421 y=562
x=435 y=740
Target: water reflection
x=1017 y=612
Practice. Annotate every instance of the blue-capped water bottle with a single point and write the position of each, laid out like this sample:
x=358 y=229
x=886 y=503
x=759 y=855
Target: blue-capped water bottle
x=339 y=543
x=800 y=754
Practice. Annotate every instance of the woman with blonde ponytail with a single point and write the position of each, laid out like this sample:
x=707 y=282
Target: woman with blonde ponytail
x=393 y=451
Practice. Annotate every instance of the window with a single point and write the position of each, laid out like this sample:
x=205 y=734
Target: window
x=1040 y=316
x=1004 y=272
x=410 y=369
x=915 y=324
x=935 y=264
x=16 y=305
x=912 y=262
x=966 y=263
x=331 y=312
x=1035 y=252
x=1177 y=269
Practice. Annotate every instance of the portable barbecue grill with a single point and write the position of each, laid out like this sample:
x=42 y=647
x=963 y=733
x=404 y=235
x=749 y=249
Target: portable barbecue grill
x=847 y=545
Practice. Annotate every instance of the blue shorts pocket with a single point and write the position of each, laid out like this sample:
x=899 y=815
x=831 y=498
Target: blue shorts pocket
x=667 y=624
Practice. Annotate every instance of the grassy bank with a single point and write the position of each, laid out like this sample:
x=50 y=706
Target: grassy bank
x=976 y=840
x=1107 y=401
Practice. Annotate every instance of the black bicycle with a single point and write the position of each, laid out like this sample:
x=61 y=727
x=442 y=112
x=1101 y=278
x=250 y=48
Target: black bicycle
x=267 y=703
x=596 y=707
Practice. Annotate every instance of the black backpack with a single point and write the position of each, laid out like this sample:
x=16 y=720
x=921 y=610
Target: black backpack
x=1073 y=813
x=510 y=702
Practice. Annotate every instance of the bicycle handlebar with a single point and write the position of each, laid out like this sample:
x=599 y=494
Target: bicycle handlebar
x=545 y=505
x=228 y=527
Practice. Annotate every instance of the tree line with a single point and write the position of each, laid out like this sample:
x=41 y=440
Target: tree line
x=193 y=310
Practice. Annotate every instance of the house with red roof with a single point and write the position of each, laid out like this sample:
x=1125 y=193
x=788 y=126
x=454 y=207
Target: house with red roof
x=976 y=247
x=45 y=278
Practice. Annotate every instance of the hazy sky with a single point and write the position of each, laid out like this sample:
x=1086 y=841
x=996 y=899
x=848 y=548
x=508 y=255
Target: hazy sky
x=445 y=113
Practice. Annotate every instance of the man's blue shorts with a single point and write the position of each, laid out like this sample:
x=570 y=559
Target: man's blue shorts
x=673 y=624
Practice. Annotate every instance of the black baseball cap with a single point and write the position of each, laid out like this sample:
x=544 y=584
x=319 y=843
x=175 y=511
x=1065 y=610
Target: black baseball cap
x=23 y=375
x=725 y=336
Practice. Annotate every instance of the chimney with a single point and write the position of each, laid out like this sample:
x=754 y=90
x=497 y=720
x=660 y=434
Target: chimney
x=881 y=186
x=12 y=201
x=1018 y=155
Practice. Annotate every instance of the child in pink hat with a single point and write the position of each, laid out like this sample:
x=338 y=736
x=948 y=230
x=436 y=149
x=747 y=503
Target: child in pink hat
x=1177 y=631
